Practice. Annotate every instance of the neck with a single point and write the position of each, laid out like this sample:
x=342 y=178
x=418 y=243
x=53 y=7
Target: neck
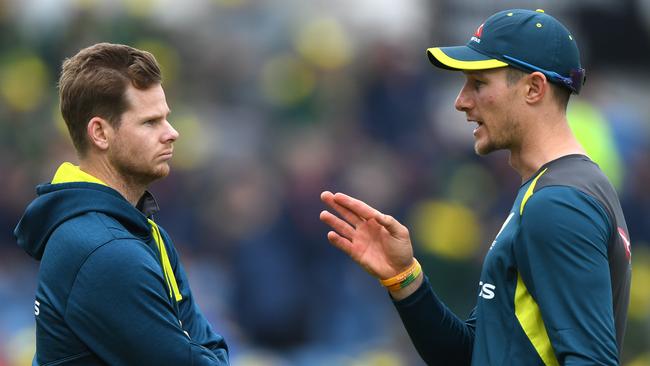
x=130 y=189
x=545 y=141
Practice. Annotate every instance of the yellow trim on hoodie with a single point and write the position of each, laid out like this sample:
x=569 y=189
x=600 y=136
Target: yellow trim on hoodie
x=529 y=192
x=530 y=318
x=167 y=267
x=68 y=173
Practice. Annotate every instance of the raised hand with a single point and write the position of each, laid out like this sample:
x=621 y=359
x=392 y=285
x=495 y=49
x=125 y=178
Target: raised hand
x=378 y=242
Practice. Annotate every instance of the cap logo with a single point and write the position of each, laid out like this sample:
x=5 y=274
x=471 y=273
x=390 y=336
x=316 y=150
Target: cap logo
x=477 y=35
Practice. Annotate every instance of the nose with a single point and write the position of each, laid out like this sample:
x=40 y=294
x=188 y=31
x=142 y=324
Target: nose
x=171 y=134
x=463 y=101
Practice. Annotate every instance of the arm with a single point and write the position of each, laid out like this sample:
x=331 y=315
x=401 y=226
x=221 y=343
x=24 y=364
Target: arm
x=562 y=260
x=382 y=246
x=439 y=336
x=119 y=307
x=194 y=322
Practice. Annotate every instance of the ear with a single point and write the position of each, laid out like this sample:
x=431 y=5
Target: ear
x=100 y=133
x=537 y=87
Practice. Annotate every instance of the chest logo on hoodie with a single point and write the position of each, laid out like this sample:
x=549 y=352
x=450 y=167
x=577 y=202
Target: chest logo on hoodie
x=502 y=227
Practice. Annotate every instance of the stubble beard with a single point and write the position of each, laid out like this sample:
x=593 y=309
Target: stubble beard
x=504 y=137
x=138 y=175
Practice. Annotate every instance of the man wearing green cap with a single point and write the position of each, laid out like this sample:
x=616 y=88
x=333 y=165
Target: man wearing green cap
x=554 y=287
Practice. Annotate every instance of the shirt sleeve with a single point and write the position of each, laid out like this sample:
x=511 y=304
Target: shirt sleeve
x=119 y=307
x=439 y=336
x=561 y=255
x=194 y=322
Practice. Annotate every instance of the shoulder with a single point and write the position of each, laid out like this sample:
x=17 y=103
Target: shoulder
x=582 y=174
x=120 y=258
x=91 y=234
x=572 y=170
x=572 y=186
x=557 y=214
x=85 y=233
x=556 y=204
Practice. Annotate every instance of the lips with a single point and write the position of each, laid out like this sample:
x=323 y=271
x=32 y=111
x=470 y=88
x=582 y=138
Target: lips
x=478 y=127
x=166 y=154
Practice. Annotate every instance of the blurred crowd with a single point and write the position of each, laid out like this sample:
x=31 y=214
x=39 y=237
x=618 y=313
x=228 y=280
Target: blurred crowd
x=277 y=101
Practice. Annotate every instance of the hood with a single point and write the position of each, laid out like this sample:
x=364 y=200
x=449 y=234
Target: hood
x=57 y=203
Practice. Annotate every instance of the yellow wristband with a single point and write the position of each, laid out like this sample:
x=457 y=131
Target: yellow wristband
x=403 y=279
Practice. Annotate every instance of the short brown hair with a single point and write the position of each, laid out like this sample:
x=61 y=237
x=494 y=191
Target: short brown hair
x=93 y=82
x=560 y=94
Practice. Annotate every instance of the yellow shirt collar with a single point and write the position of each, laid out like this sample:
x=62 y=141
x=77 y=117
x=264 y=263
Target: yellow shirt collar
x=68 y=173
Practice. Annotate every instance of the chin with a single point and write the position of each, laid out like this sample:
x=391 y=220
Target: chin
x=484 y=149
x=154 y=174
x=162 y=171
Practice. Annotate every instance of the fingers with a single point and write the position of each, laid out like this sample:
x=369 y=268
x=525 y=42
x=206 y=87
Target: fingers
x=342 y=237
x=341 y=227
x=356 y=211
x=355 y=206
x=347 y=215
x=340 y=242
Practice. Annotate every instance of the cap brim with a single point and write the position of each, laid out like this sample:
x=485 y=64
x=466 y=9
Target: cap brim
x=462 y=58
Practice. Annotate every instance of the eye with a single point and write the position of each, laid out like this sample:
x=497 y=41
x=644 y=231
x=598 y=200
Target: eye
x=150 y=122
x=478 y=84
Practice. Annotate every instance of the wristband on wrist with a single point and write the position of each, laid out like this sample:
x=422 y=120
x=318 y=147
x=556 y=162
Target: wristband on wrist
x=403 y=279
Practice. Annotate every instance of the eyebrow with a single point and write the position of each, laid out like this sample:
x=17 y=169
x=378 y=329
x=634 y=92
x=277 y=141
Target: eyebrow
x=148 y=117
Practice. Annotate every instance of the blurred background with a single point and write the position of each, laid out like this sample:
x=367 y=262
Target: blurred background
x=276 y=101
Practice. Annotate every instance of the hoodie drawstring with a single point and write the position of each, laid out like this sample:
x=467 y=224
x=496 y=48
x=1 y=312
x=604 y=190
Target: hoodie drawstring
x=167 y=267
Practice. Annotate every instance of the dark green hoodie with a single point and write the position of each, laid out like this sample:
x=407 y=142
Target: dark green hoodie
x=103 y=296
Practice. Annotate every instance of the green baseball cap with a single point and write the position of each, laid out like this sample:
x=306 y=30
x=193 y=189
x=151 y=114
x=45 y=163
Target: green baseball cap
x=524 y=39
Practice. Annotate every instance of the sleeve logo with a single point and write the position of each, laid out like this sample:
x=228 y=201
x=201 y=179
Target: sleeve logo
x=626 y=243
